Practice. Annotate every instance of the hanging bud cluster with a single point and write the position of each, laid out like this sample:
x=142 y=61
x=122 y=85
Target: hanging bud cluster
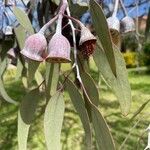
x=57 y=50
x=87 y=42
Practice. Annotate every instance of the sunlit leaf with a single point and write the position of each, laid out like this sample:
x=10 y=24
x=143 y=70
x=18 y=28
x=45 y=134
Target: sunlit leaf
x=102 y=133
x=102 y=31
x=119 y=85
x=23 y=19
x=79 y=105
x=140 y=109
x=53 y=119
x=28 y=105
x=23 y=130
x=4 y=93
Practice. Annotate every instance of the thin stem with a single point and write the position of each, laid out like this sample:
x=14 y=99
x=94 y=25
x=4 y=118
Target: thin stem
x=75 y=57
x=45 y=27
x=60 y=16
x=124 y=9
x=74 y=20
x=116 y=8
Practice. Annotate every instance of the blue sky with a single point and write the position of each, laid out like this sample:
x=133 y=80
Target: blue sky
x=143 y=9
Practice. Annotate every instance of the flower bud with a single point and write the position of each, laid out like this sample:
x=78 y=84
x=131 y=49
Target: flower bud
x=11 y=53
x=35 y=46
x=114 y=27
x=58 y=49
x=87 y=42
x=127 y=24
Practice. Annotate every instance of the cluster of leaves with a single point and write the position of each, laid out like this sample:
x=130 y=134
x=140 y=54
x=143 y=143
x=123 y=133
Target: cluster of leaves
x=47 y=88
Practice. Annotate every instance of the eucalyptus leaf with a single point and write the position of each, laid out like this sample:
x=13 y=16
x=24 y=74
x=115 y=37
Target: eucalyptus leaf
x=23 y=130
x=4 y=93
x=102 y=134
x=19 y=69
x=90 y=87
x=140 y=109
x=23 y=19
x=28 y=105
x=78 y=8
x=52 y=77
x=32 y=68
x=53 y=119
x=119 y=85
x=101 y=27
x=3 y=65
x=57 y=2
x=20 y=35
x=79 y=105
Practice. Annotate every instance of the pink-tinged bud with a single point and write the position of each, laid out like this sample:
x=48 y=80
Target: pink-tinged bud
x=87 y=42
x=127 y=24
x=58 y=49
x=11 y=53
x=35 y=46
x=114 y=27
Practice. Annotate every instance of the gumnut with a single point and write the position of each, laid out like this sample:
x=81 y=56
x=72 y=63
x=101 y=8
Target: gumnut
x=87 y=42
x=114 y=27
x=58 y=49
x=35 y=46
x=127 y=24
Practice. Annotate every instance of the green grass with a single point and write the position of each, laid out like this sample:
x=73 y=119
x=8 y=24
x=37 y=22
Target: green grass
x=72 y=133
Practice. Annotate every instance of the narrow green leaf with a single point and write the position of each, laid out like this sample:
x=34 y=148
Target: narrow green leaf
x=32 y=68
x=19 y=69
x=119 y=85
x=28 y=105
x=52 y=77
x=101 y=27
x=79 y=105
x=78 y=8
x=23 y=19
x=102 y=133
x=4 y=93
x=3 y=65
x=53 y=119
x=20 y=35
x=140 y=109
x=38 y=77
x=23 y=130
x=90 y=88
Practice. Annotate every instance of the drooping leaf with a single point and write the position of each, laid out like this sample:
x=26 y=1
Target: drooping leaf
x=3 y=65
x=38 y=77
x=52 y=77
x=19 y=69
x=4 y=93
x=102 y=133
x=140 y=109
x=101 y=27
x=53 y=119
x=90 y=88
x=57 y=2
x=78 y=8
x=23 y=19
x=119 y=85
x=28 y=105
x=23 y=130
x=79 y=105
x=32 y=68
x=20 y=37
